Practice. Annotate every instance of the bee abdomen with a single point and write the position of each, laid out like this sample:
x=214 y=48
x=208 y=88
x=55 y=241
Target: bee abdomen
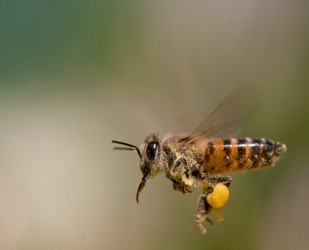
x=228 y=155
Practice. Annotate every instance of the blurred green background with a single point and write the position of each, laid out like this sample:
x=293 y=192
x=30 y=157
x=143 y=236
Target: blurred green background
x=76 y=74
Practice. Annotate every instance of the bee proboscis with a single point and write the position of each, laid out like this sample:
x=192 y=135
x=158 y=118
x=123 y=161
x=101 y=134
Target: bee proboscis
x=199 y=158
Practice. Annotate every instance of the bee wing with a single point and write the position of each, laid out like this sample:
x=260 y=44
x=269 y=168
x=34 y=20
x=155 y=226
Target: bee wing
x=229 y=117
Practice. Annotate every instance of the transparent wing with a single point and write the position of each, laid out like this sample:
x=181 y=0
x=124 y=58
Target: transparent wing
x=229 y=117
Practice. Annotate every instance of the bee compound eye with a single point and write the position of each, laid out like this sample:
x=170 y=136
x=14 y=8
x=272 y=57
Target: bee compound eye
x=151 y=150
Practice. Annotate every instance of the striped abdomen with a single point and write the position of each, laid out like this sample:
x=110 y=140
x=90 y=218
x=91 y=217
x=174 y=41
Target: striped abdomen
x=228 y=155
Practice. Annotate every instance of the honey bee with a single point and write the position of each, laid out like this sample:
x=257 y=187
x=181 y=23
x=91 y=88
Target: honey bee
x=201 y=157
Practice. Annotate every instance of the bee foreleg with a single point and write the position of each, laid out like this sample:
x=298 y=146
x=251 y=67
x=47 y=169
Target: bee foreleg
x=177 y=186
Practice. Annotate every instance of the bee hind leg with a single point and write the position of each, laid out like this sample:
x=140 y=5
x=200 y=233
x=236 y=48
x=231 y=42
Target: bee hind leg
x=213 y=180
x=211 y=184
x=201 y=211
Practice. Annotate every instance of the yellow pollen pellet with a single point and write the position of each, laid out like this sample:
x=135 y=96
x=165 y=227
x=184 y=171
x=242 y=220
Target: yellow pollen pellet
x=219 y=196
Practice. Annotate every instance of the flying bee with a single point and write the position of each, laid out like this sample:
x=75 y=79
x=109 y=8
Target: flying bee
x=201 y=157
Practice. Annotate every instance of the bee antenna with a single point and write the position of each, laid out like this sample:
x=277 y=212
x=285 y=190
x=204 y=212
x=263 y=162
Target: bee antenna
x=130 y=147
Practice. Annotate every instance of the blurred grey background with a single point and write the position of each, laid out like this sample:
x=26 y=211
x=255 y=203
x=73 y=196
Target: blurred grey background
x=76 y=74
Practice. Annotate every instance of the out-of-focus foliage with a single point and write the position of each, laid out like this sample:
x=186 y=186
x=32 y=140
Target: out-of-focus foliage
x=76 y=74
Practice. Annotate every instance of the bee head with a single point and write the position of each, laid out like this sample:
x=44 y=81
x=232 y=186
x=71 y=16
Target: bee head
x=150 y=167
x=150 y=158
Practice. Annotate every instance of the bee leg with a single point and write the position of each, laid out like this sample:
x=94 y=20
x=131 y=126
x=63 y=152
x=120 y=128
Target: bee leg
x=210 y=221
x=225 y=180
x=218 y=214
x=177 y=186
x=217 y=196
x=201 y=211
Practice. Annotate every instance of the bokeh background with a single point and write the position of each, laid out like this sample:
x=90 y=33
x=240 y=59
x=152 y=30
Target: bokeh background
x=76 y=74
